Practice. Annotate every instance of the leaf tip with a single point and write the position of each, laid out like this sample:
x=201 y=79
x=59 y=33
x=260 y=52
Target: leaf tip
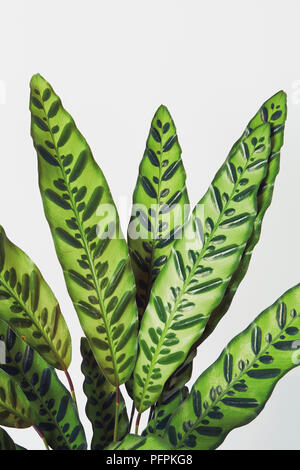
x=163 y=113
x=37 y=82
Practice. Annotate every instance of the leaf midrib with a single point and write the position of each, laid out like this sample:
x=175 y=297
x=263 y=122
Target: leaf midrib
x=187 y=281
x=232 y=383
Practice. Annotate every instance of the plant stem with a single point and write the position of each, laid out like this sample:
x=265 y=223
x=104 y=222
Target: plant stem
x=131 y=416
x=137 y=423
x=70 y=385
x=41 y=436
x=117 y=414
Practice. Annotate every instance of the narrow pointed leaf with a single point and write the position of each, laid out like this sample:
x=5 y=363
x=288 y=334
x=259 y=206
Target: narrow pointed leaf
x=234 y=389
x=200 y=266
x=18 y=447
x=274 y=112
x=29 y=306
x=86 y=234
x=52 y=407
x=158 y=213
x=6 y=442
x=101 y=402
x=276 y=119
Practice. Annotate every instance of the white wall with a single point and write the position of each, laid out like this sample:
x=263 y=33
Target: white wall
x=113 y=63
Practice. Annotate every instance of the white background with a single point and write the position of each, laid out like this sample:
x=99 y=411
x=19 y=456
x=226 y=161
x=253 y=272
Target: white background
x=113 y=63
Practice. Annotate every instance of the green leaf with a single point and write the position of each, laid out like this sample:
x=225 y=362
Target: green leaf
x=86 y=235
x=181 y=375
x=6 y=442
x=263 y=200
x=274 y=112
x=233 y=390
x=29 y=306
x=18 y=447
x=199 y=269
x=52 y=408
x=159 y=200
x=15 y=410
x=101 y=402
x=135 y=442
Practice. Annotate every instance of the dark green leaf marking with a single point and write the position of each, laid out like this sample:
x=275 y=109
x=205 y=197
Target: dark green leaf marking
x=161 y=190
x=264 y=194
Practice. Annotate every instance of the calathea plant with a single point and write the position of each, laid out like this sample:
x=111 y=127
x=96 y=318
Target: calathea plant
x=146 y=305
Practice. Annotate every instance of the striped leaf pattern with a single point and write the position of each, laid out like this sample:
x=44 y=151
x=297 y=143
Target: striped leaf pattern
x=160 y=204
x=29 y=306
x=135 y=442
x=233 y=390
x=85 y=228
x=53 y=410
x=274 y=112
x=15 y=409
x=101 y=402
x=163 y=412
x=200 y=266
x=6 y=442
